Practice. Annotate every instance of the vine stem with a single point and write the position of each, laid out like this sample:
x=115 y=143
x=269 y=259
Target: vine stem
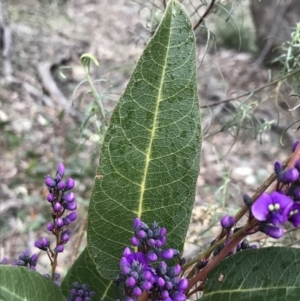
x=251 y=92
x=55 y=255
x=212 y=3
x=239 y=235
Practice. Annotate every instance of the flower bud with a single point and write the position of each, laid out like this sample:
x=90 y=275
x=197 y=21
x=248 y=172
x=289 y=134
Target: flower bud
x=59 y=222
x=50 y=197
x=168 y=254
x=72 y=216
x=50 y=182
x=163 y=231
x=164 y=295
x=61 y=169
x=66 y=221
x=69 y=197
x=135 y=241
x=289 y=176
x=179 y=297
x=50 y=227
x=182 y=284
x=147 y=285
x=70 y=183
x=152 y=256
x=4 y=261
x=57 y=207
x=137 y=223
x=61 y=185
x=71 y=206
x=45 y=242
x=160 y=282
x=59 y=249
x=141 y=234
x=65 y=238
x=130 y=281
x=137 y=291
x=127 y=252
x=278 y=167
x=227 y=222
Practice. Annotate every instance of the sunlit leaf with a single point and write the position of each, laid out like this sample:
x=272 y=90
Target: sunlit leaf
x=20 y=283
x=268 y=274
x=149 y=160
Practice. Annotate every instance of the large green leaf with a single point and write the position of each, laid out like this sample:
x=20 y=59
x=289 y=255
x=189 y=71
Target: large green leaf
x=84 y=271
x=149 y=160
x=20 y=283
x=268 y=274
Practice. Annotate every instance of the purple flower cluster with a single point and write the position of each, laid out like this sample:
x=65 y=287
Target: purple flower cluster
x=25 y=260
x=277 y=208
x=80 y=293
x=139 y=275
x=61 y=199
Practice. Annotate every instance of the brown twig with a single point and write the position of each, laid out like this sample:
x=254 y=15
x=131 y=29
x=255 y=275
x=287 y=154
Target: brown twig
x=251 y=92
x=212 y=3
x=239 y=235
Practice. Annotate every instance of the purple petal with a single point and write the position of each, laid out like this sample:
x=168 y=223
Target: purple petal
x=294 y=215
x=280 y=199
x=274 y=232
x=260 y=208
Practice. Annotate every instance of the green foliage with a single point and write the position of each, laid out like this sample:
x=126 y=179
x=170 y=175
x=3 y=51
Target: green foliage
x=269 y=274
x=20 y=283
x=84 y=271
x=149 y=160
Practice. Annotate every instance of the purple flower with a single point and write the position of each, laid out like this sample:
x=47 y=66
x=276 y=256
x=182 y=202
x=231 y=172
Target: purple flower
x=272 y=208
x=294 y=214
x=227 y=222
x=274 y=232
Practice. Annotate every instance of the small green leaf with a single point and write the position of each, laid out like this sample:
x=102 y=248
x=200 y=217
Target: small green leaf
x=268 y=274
x=149 y=160
x=84 y=271
x=20 y=283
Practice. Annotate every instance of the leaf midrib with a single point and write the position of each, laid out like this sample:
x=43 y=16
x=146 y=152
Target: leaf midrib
x=156 y=112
